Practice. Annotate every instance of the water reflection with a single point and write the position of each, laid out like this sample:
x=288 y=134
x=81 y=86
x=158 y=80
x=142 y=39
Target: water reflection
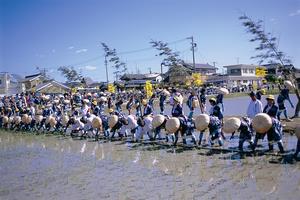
x=54 y=163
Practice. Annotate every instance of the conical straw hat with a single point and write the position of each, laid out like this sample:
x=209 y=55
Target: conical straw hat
x=172 y=125
x=66 y=101
x=65 y=119
x=195 y=103
x=5 y=120
x=86 y=101
x=112 y=121
x=103 y=99
x=289 y=84
x=262 y=122
x=56 y=101
x=158 y=120
x=28 y=120
x=97 y=122
x=24 y=118
x=52 y=121
x=231 y=125
x=202 y=122
x=38 y=118
x=223 y=91
x=166 y=92
x=17 y=119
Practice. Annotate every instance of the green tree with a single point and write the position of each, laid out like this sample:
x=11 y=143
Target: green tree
x=70 y=74
x=177 y=66
x=171 y=58
x=268 y=51
x=111 y=54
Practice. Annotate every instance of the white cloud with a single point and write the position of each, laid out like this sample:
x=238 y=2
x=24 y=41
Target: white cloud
x=81 y=51
x=89 y=68
x=70 y=47
x=295 y=13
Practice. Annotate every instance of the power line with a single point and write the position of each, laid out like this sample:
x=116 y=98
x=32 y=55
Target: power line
x=122 y=53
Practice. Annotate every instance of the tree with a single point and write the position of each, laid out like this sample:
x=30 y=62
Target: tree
x=117 y=64
x=177 y=66
x=70 y=74
x=268 y=50
x=170 y=58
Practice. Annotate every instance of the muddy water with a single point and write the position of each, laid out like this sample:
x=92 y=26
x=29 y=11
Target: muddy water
x=55 y=167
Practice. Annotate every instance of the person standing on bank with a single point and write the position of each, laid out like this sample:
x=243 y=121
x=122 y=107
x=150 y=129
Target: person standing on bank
x=270 y=108
x=202 y=99
x=162 y=98
x=191 y=103
x=255 y=106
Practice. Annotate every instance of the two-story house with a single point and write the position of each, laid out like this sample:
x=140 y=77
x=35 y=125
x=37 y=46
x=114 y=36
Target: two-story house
x=237 y=75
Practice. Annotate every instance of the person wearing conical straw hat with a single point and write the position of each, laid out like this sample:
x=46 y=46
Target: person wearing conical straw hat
x=95 y=108
x=275 y=134
x=158 y=123
x=148 y=109
x=177 y=110
x=271 y=109
x=204 y=121
x=246 y=133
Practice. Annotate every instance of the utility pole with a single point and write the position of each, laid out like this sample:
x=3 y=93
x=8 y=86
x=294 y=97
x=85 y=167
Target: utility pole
x=214 y=63
x=193 y=49
x=106 y=69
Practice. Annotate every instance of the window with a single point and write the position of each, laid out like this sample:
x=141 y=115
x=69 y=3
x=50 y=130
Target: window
x=235 y=71
x=245 y=71
x=0 y=82
x=251 y=71
x=245 y=81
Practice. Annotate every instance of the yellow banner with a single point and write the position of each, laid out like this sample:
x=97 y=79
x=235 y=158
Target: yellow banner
x=111 y=88
x=148 y=89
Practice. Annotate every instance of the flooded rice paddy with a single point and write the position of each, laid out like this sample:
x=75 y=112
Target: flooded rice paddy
x=56 y=167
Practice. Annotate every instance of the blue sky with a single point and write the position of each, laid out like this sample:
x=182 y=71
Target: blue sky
x=53 y=33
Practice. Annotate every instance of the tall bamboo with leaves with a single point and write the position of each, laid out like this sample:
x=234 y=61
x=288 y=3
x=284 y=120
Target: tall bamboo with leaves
x=111 y=54
x=268 y=51
x=177 y=66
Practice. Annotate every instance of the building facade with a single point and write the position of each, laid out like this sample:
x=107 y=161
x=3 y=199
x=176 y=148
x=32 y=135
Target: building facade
x=237 y=76
x=52 y=87
x=139 y=80
x=32 y=81
x=204 y=69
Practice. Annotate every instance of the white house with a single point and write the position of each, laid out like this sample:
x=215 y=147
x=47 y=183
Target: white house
x=139 y=80
x=237 y=75
x=242 y=75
